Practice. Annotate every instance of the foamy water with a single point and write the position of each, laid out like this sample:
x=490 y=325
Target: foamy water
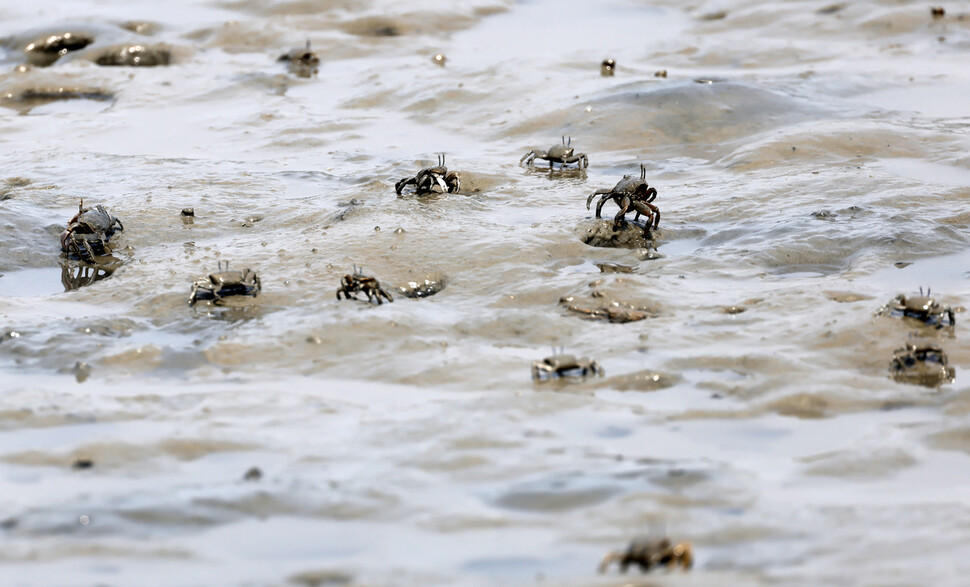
x=811 y=163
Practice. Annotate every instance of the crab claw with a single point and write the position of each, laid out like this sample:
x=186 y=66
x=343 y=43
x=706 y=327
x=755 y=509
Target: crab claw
x=589 y=200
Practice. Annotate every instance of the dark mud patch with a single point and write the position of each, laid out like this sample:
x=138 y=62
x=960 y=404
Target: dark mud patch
x=600 y=233
x=135 y=56
x=644 y=381
x=47 y=49
x=25 y=100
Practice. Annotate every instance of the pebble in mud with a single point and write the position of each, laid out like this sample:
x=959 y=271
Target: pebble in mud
x=253 y=474
x=439 y=59
x=607 y=67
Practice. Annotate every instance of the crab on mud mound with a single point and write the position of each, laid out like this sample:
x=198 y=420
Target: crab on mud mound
x=630 y=193
x=922 y=307
x=646 y=554
x=562 y=154
x=302 y=62
x=563 y=365
x=87 y=234
x=224 y=284
x=432 y=180
x=921 y=364
x=358 y=282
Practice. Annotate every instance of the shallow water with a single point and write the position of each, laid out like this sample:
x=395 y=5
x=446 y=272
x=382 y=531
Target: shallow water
x=811 y=161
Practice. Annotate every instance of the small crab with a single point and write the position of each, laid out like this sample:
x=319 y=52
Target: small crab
x=630 y=193
x=647 y=554
x=87 y=234
x=563 y=365
x=225 y=284
x=922 y=307
x=302 y=62
x=432 y=180
x=351 y=284
x=562 y=154
x=922 y=363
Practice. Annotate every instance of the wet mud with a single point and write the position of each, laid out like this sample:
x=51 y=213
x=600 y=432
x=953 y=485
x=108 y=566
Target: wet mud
x=810 y=161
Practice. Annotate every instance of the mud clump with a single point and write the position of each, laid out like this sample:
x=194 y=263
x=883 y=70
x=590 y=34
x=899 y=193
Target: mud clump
x=600 y=233
x=29 y=98
x=43 y=51
x=135 y=56
x=423 y=286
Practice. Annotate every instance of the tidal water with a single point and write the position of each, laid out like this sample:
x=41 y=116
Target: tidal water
x=811 y=160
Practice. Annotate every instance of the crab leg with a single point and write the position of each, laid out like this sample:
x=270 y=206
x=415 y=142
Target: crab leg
x=589 y=200
x=604 y=199
x=399 y=186
x=650 y=211
x=624 y=208
x=531 y=155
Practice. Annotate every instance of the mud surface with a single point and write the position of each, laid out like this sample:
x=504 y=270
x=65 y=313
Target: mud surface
x=811 y=163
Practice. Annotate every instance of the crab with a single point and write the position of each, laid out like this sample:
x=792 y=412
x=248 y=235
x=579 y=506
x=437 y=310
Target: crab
x=432 y=180
x=922 y=307
x=357 y=281
x=225 y=283
x=921 y=364
x=302 y=62
x=630 y=193
x=562 y=154
x=563 y=365
x=647 y=554
x=87 y=234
